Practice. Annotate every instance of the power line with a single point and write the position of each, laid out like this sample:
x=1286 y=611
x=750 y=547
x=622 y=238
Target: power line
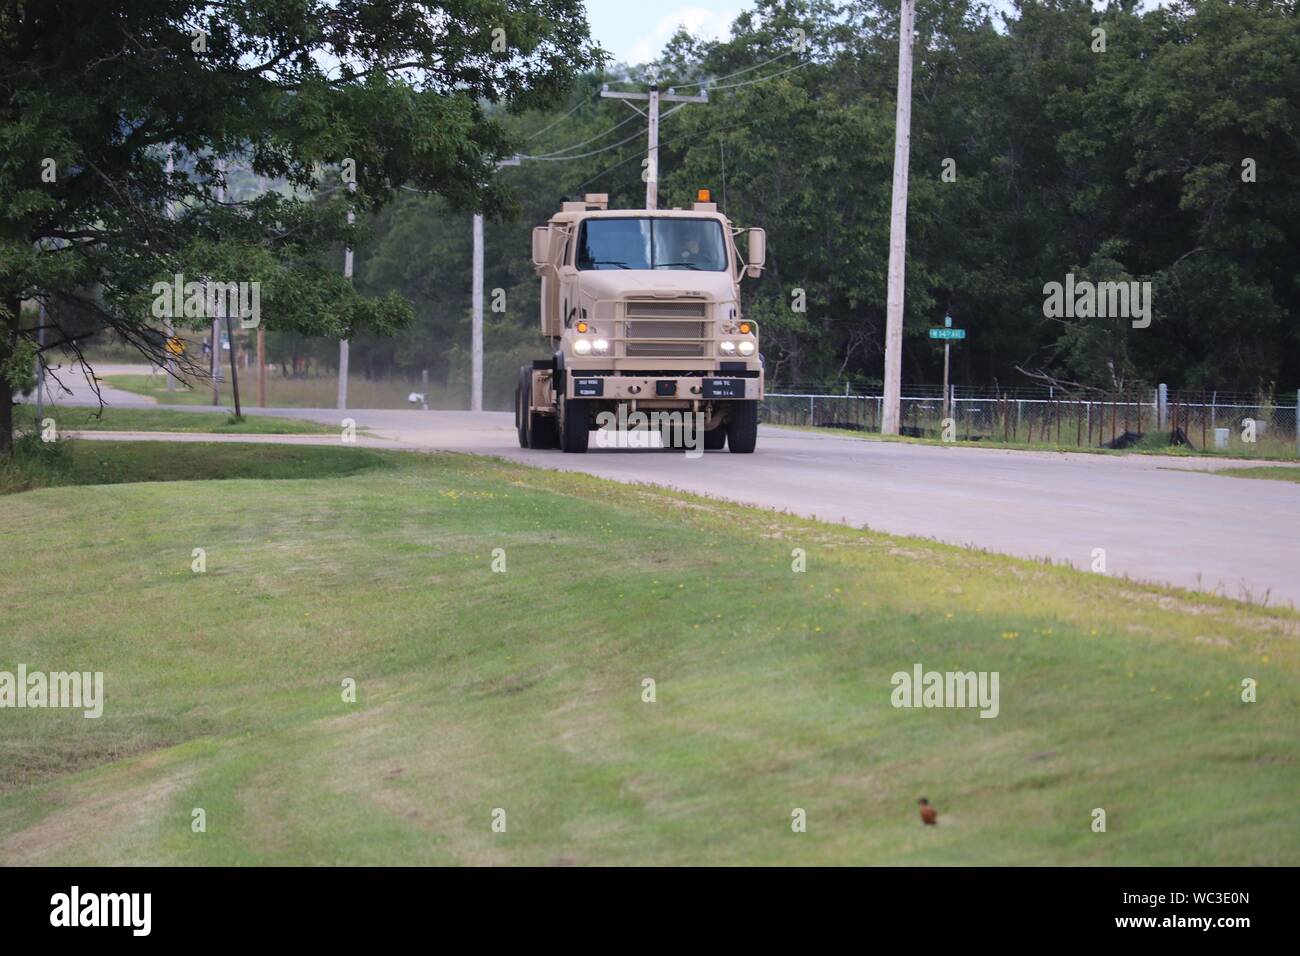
x=710 y=85
x=761 y=79
x=552 y=158
x=594 y=152
x=665 y=84
x=604 y=171
x=592 y=139
x=713 y=88
x=676 y=139
x=556 y=157
x=561 y=119
x=747 y=69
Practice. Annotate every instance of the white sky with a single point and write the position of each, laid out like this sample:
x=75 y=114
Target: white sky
x=635 y=31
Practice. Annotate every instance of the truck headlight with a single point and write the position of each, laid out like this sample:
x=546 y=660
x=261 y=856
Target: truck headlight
x=600 y=346
x=582 y=347
x=746 y=348
x=727 y=347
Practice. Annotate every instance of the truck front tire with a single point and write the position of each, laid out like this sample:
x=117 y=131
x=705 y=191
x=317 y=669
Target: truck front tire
x=742 y=427
x=575 y=425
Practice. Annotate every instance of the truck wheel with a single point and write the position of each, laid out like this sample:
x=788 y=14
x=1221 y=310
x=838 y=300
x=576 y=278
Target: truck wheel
x=523 y=404
x=742 y=427
x=715 y=439
x=575 y=425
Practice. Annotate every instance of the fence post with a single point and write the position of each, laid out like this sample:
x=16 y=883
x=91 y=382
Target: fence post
x=1297 y=421
x=1162 y=408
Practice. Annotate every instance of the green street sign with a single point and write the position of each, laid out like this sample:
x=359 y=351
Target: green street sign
x=939 y=332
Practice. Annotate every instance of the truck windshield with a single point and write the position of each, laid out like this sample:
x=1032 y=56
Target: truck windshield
x=690 y=244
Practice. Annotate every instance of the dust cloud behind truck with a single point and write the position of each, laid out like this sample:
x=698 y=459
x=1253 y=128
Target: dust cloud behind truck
x=641 y=309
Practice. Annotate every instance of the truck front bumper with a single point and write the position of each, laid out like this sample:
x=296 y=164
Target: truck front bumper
x=669 y=389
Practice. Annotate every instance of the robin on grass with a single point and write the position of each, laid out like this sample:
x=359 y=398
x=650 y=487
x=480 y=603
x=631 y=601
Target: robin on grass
x=928 y=815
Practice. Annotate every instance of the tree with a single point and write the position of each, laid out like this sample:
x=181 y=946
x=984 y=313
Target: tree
x=1127 y=164
x=316 y=94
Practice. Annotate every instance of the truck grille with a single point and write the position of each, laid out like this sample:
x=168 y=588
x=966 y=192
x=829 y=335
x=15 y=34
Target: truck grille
x=666 y=329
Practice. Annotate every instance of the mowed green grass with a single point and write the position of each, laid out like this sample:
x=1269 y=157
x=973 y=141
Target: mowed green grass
x=523 y=690
x=1275 y=474
x=81 y=418
x=281 y=392
x=198 y=393
x=1151 y=444
x=107 y=463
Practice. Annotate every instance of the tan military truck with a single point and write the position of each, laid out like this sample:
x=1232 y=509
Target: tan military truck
x=642 y=311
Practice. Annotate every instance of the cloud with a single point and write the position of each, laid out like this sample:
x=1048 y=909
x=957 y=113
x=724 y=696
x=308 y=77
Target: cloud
x=699 y=22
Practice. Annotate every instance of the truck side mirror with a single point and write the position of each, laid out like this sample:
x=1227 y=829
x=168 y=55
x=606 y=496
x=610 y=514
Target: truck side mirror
x=541 y=246
x=757 y=253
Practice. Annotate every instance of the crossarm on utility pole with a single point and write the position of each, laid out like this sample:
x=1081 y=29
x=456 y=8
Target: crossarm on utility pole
x=653 y=98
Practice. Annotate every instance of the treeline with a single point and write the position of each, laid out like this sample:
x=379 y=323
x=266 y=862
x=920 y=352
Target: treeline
x=1131 y=145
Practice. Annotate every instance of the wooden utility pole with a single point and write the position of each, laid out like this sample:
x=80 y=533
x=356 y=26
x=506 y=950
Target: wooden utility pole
x=261 y=366
x=898 y=224
x=234 y=372
x=40 y=363
x=652 y=151
x=171 y=329
x=476 y=303
x=653 y=99
x=476 y=323
x=216 y=359
x=343 y=343
x=216 y=320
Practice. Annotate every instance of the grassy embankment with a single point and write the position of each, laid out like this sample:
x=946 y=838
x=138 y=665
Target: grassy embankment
x=83 y=418
x=284 y=392
x=1274 y=474
x=523 y=690
x=1270 y=449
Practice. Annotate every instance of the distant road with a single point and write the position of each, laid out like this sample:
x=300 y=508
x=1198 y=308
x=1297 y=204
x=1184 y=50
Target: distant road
x=1157 y=519
x=71 y=387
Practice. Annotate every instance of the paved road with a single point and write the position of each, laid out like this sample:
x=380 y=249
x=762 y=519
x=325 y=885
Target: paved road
x=69 y=385
x=1159 y=519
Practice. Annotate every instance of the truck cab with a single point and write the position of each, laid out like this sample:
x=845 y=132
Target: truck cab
x=641 y=309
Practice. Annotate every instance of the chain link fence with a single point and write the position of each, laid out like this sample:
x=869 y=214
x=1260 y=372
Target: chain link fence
x=1235 y=423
